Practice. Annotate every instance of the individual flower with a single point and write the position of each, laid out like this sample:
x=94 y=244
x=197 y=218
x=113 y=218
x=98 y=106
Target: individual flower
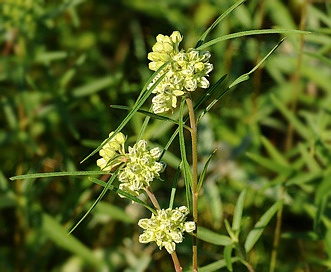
x=186 y=71
x=112 y=153
x=140 y=169
x=166 y=228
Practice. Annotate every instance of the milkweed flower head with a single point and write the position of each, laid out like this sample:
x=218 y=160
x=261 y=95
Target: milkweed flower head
x=140 y=169
x=186 y=71
x=166 y=228
x=140 y=164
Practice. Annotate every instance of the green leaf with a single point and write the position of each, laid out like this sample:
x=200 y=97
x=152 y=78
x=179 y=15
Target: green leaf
x=216 y=22
x=110 y=181
x=269 y=164
x=58 y=174
x=213 y=237
x=93 y=87
x=123 y=193
x=216 y=266
x=58 y=234
x=184 y=165
x=292 y=118
x=150 y=114
x=254 y=235
x=174 y=188
x=273 y=152
x=113 y=211
x=144 y=94
x=204 y=170
x=245 y=77
x=250 y=33
x=237 y=215
x=227 y=257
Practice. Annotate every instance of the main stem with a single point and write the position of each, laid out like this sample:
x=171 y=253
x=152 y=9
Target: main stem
x=195 y=179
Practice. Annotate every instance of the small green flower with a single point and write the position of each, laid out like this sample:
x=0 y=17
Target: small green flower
x=166 y=228
x=185 y=72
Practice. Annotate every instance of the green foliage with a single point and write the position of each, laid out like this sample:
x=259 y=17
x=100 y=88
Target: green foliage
x=63 y=63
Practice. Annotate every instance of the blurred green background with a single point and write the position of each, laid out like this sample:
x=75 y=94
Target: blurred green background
x=63 y=63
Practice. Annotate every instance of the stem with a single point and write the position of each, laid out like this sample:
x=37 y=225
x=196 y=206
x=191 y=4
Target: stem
x=277 y=235
x=195 y=179
x=152 y=198
x=174 y=257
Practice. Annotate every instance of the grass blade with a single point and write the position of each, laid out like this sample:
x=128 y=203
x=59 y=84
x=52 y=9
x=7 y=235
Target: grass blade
x=217 y=21
x=251 y=33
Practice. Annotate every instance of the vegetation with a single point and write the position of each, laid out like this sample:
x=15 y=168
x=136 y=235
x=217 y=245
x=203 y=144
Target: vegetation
x=263 y=148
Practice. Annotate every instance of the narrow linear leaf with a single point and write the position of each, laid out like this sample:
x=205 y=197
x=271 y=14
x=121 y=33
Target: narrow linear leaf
x=144 y=94
x=105 y=189
x=245 y=77
x=217 y=21
x=213 y=237
x=216 y=266
x=254 y=235
x=58 y=174
x=150 y=114
x=250 y=33
x=123 y=193
x=237 y=215
x=184 y=165
x=174 y=188
x=204 y=170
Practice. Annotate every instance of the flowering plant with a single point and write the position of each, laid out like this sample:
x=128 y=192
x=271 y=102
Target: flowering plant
x=177 y=73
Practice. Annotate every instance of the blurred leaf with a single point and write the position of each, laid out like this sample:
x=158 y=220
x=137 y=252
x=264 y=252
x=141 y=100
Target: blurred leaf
x=227 y=257
x=274 y=153
x=113 y=211
x=255 y=234
x=59 y=235
x=215 y=266
x=213 y=237
x=269 y=164
x=237 y=215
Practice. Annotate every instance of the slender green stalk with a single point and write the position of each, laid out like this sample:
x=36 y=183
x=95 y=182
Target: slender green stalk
x=195 y=179
x=277 y=234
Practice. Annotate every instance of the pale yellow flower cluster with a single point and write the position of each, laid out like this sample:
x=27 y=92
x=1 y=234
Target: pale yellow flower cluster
x=186 y=71
x=140 y=165
x=166 y=228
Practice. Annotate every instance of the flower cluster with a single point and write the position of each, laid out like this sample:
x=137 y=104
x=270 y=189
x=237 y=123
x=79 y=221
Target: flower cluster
x=140 y=169
x=140 y=163
x=166 y=227
x=186 y=71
